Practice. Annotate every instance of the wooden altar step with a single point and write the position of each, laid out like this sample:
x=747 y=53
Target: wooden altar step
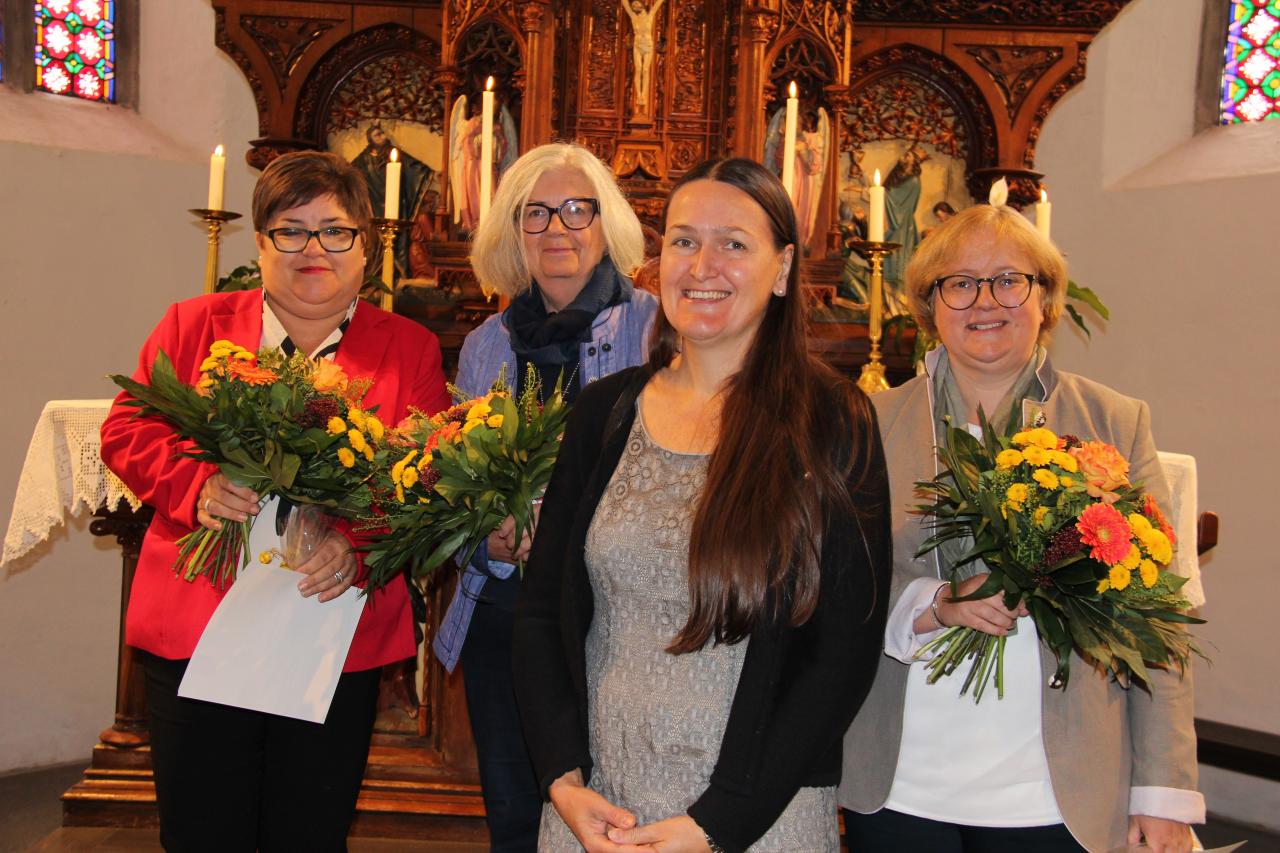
x=118 y=790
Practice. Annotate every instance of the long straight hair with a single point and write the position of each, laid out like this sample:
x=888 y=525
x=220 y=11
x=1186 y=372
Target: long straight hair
x=792 y=431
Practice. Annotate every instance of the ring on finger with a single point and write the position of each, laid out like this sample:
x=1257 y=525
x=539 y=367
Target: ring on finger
x=338 y=576
x=207 y=503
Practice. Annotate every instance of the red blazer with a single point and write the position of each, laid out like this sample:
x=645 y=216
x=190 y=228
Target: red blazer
x=166 y=614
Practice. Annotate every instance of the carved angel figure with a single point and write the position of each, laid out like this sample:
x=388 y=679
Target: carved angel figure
x=464 y=157
x=813 y=139
x=641 y=49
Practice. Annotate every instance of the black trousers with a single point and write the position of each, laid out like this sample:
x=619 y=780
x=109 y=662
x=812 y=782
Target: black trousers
x=512 y=801
x=888 y=831
x=231 y=780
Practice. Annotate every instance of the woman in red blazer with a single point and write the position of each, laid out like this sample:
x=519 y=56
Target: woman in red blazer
x=229 y=779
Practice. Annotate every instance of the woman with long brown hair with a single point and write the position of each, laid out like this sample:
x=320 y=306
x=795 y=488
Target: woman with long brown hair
x=701 y=612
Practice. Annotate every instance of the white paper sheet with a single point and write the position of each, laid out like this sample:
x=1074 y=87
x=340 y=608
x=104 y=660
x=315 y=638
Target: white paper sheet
x=269 y=649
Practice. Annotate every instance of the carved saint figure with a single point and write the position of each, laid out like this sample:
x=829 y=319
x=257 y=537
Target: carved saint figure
x=812 y=144
x=901 y=195
x=464 y=157
x=641 y=49
x=417 y=181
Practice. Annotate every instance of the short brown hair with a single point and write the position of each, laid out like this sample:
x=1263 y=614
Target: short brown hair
x=936 y=254
x=302 y=176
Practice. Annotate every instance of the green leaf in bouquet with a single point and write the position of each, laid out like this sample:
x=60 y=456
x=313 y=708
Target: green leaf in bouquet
x=993 y=584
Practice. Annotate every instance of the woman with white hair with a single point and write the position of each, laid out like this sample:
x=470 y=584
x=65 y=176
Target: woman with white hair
x=561 y=242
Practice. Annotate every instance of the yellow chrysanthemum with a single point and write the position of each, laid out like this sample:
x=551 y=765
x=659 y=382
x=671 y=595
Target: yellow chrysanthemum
x=244 y=355
x=356 y=417
x=400 y=493
x=337 y=426
x=346 y=457
x=1119 y=577
x=265 y=558
x=208 y=364
x=205 y=383
x=479 y=411
x=374 y=427
x=1016 y=495
x=1104 y=585
x=223 y=343
x=1022 y=438
x=424 y=462
x=1067 y=482
x=494 y=421
x=1043 y=438
x=1139 y=523
x=1064 y=460
x=1149 y=573
x=1035 y=455
x=1045 y=478
x=1157 y=545
x=409 y=477
x=356 y=437
x=1039 y=516
x=398 y=469
x=1131 y=559
x=1007 y=459
x=368 y=452
x=470 y=425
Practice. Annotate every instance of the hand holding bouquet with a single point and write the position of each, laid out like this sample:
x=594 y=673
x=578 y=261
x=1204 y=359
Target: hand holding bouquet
x=1063 y=532
x=264 y=419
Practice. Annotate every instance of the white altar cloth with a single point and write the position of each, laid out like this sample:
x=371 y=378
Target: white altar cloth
x=63 y=475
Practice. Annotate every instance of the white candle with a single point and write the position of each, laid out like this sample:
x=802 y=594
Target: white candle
x=217 y=176
x=391 y=205
x=486 y=148
x=789 y=145
x=1044 y=211
x=875 y=218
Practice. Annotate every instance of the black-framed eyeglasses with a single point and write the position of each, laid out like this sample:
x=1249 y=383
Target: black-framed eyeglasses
x=332 y=239
x=575 y=214
x=1008 y=289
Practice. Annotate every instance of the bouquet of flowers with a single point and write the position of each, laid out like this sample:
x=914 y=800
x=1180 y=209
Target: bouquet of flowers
x=269 y=422
x=1063 y=531
x=450 y=479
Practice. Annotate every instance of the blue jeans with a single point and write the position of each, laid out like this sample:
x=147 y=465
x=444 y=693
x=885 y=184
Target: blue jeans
x=512 y=801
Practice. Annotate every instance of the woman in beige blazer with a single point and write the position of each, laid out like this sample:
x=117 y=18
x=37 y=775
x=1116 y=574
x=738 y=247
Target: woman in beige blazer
x=1094 y=766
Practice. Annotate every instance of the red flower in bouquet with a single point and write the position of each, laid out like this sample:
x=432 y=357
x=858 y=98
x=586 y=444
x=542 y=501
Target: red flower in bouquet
x=1103 y=528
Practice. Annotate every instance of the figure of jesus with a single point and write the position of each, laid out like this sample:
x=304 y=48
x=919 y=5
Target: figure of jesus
x=641 y=49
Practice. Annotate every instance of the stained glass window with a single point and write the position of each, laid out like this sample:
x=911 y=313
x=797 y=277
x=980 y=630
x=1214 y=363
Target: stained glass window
x=1251 y=80
x=76 y=49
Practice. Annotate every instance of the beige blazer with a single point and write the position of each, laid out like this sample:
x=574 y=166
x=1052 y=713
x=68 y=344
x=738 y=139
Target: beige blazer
x=1100 y=739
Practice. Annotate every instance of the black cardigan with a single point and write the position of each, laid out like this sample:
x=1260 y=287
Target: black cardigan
x=799 y=688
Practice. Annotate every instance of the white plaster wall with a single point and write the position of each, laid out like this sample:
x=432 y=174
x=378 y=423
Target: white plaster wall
x=95 y=242
x=1177 y=233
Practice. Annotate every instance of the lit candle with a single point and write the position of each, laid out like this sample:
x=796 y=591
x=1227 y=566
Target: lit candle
x=1044 y=211
x=486 y=148
x=789 y=146
x=875 y=218
x=391 y=206
x=217 y=176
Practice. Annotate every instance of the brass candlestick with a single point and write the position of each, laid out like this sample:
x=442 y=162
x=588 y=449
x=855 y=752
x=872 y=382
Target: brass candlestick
x=213 y=219
x=387 y=231
x=872 y=379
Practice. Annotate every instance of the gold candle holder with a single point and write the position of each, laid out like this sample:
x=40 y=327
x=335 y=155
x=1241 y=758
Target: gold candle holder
x=872 y=379
x=387 y=231
x=213 y=220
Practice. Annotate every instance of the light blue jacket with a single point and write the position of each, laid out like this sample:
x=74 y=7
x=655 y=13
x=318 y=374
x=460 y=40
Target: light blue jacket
x=619 y=339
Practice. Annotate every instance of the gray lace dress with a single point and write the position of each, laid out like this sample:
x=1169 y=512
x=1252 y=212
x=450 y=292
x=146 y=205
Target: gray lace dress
x=657 y=719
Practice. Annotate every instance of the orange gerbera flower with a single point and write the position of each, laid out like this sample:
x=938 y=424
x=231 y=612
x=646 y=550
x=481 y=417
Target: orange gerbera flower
x=251 y=374
x=1103 y=528
x=446 y=432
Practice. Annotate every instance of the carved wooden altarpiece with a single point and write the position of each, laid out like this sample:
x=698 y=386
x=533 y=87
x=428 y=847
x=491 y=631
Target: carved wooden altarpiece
x=963 y=86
